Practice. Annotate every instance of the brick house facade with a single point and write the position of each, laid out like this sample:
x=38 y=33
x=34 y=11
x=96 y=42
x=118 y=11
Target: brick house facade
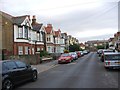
x=21 y=35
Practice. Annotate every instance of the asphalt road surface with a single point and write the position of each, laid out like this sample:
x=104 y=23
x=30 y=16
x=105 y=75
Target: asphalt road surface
x=86 y=72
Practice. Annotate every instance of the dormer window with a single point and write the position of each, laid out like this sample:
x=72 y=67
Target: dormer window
x=20 y=32
x=26 y=32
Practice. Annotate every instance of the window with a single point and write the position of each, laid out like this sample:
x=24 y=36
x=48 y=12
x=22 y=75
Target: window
x=26 y=32
x=41 y=48
x=41 y=36
x=20 y=64
x=33 y=51
x=26 y=50
x=3 y=65
x=112 y=57
x=11 y=65
x=20 y=50
x=48 y=48
x=48 y=38
x=38 y=37
x=38 y=49
x=20 y=32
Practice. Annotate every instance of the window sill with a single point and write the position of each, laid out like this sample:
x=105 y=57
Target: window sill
x=22 y=38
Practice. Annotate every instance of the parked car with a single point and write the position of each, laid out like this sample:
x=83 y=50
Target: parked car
x=15 y=72
x=85 y=52
x=103 y=52
x=81 y=52
x=74 y=55
x=99 y=51
x=65 y=58
x=112 y=60
x=78 y=54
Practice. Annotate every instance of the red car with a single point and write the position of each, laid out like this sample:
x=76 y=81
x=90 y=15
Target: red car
x=65 y=58
x=78 y=54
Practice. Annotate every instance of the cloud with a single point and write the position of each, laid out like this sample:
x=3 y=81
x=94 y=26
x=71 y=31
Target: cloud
x=77 y=17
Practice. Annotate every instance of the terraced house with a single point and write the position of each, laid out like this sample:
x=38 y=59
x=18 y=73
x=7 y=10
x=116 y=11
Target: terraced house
x=49 y=38
x=21 y=35
x=54 y=41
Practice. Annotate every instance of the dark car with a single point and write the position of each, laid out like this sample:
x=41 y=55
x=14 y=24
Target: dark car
x=15 y=72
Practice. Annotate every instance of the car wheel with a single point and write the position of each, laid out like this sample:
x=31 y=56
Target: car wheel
x=107 y=68
x=34 y=76
x=7 y=85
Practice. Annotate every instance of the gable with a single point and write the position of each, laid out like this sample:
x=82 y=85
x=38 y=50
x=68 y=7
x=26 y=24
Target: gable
x=27 y=22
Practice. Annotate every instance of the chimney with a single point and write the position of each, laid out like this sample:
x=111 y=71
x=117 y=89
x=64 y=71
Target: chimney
x=49 y=25
x=59 y=30
x=34 y=19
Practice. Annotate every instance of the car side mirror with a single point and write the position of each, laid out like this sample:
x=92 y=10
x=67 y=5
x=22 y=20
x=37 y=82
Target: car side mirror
x=28 y=66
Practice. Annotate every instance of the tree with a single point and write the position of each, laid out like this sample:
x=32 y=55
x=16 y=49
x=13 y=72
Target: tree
x=74 y=47
x=100 y=47
x=66 y=51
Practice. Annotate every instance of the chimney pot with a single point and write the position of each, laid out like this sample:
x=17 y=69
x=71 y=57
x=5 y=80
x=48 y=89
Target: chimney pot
x=34 y=17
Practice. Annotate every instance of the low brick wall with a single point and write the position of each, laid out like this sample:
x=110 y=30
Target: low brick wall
x=29 y=59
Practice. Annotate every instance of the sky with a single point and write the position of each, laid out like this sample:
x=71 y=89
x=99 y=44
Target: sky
x=83 y=19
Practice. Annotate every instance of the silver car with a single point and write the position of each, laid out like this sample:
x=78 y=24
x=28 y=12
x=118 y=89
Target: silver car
x=112 y=60
x=74 y=55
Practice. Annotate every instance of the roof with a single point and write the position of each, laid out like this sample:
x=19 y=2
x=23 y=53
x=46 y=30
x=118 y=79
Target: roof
x=57 y=33
x=18 y=20
x=8 y=16
x=37 y=26
x=48 y=30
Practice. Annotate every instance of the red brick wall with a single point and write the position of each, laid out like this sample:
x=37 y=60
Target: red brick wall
x=28 y=45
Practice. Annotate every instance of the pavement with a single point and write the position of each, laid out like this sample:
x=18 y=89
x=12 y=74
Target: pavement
x=45 y=66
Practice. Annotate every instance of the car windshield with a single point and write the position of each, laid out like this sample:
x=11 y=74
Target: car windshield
x=112 y=57
x=64 y=55
x=72 y=53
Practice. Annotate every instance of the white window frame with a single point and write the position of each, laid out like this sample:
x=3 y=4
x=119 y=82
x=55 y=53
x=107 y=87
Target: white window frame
x=33 y=51
x=26 y=32
x=20 y=50
x=38 y=49
x=20 y=32
x=26 y=50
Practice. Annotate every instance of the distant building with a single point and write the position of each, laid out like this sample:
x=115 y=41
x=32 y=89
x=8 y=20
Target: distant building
x=91 y=45
x=82 y=46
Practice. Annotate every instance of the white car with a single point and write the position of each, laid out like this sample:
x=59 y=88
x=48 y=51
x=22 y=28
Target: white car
x=74 y=55
x=112 y=60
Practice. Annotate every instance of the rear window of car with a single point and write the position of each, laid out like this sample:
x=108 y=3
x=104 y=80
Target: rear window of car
x=112 y=57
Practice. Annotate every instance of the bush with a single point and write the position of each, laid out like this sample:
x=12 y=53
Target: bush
x=66 y=51
x=43 y=53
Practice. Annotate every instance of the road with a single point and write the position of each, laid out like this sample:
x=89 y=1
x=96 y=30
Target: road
x=86 y=72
